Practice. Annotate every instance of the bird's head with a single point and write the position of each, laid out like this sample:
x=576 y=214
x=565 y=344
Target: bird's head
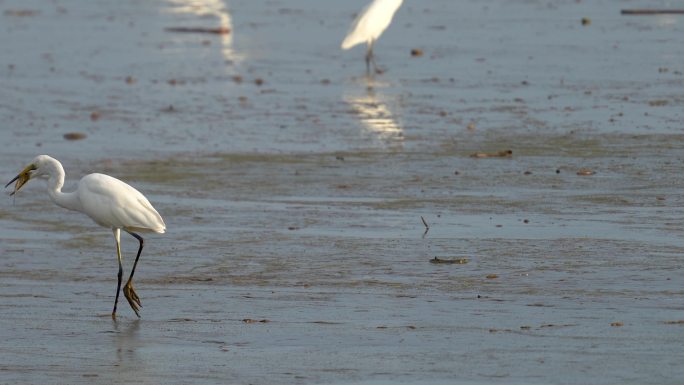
x=35 y=169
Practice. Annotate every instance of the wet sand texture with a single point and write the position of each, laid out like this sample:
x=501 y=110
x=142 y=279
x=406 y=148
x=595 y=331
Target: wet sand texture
x=293 y=190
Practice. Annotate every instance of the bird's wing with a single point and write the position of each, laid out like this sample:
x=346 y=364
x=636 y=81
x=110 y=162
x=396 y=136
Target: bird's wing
x=113 y=203
x=371 y=22
x=356 y=33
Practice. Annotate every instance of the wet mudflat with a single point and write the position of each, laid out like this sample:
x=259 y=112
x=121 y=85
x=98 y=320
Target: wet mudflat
x=293 y=189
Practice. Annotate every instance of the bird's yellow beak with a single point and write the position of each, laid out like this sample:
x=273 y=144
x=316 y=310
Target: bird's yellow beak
x=23 y=177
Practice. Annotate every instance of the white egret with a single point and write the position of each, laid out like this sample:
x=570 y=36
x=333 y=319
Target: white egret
x=369 y=25
x=106 y=200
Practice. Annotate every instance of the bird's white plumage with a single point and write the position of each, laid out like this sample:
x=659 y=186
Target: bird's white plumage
x=113 y=203
x=371 y=22
x=106 y=200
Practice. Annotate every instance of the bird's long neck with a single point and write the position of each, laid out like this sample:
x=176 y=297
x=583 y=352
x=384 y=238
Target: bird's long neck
x=55 y=183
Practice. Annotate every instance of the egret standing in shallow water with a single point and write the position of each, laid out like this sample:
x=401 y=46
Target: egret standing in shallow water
x=106 y=200
x=369 y=25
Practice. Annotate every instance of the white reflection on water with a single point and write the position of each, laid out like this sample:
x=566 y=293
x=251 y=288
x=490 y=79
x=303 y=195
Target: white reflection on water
x=667 y=20
x=372 y=109
x=210 y=10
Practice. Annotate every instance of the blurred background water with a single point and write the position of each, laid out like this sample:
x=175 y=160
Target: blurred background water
x=293 y=188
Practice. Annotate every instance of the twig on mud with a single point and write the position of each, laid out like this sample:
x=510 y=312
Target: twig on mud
x=216 y=31
x=652 y=11
x=427 y=227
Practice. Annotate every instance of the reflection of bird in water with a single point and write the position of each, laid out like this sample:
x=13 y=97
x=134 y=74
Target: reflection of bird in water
x=106 y=200
x=206 y=10
x=369 y=25
x=377 y=118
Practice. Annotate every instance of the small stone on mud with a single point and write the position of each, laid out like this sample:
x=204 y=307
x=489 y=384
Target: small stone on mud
x=94 y=116
x=416 y=52
x=253 y=321
x=500 y=154
x=585 y=172
x=492 y=276
x=74 y=136
x=658 y=103
x=617 y=324
x=586 y=21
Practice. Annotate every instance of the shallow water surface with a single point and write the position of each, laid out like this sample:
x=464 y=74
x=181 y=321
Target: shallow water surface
x=293 y=189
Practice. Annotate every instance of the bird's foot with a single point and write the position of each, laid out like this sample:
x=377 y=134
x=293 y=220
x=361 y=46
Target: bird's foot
x=132 y=298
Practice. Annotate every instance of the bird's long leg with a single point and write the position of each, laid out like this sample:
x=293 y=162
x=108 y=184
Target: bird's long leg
x=128 y=290
x=369 y=57
x=117 y=238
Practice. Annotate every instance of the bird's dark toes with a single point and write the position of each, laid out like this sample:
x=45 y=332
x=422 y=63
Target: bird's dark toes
x=132 y=298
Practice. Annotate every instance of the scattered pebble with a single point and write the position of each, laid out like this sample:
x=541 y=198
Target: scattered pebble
x=586 y=21
x=21 y=12
x=130 y=80
x=492 y=276
x=416 y=52
x=585 y=172
x=253 y=321
x=259 y=81
x=500 y=154
x=94 y=116
x=617 y=324
x=74 y=136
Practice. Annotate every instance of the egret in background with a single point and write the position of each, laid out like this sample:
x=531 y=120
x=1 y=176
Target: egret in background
x=106 y=200
x=369 y=25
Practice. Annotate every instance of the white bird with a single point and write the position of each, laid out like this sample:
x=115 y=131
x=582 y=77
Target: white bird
x=369 y=25
x=106 y=200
